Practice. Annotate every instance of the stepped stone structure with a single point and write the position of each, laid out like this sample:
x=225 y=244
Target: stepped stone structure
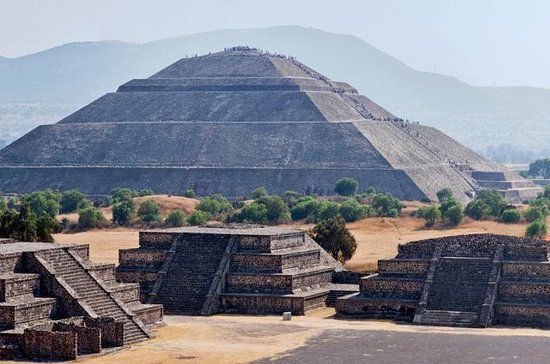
x=248 y=269
x=56 y=304
x=470 y=280
x=231 y=121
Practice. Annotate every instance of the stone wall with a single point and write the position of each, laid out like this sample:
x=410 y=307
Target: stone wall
x=88 y=338
x=49 y=345
x=112 y=332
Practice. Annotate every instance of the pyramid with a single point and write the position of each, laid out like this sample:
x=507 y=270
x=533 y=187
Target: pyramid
x=231 y=121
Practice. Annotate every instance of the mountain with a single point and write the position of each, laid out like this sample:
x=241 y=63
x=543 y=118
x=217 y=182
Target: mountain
x=481 y=117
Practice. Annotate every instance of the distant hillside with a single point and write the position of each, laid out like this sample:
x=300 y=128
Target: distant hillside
x=481 y=117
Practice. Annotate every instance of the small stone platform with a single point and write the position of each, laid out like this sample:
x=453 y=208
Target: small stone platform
x=56 y=304
x=252 y=269
x=469 y=280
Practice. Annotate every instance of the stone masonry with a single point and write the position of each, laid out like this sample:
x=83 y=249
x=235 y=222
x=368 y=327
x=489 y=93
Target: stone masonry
x=56 y=304
x=469 y=280
x=204 y=270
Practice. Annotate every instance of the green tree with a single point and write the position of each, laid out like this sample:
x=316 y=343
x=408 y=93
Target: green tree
x=540 y=168
x=189 y=193
x=8 y=223
x=123 y=211
x=346 y=186
x=3 y=204
x=453 y=216
x=198 y=218
x=25 y=225
x=73 y=200
x=477 y=210
x=258 y=193
x=303 y=209
x=149 y=211
x=277 y=209
x=326 y=210
x=90 y=217
x=44 y=202
x=447 y=203
x=386 y=205
x=429 y=213
x=145 y=192
x=292 y=198
x=534 y=213
x=510 y=216
x=536 y=229
x=444 y=194
x=333 y=236
x=255 y=212
x=351 y=210
x=215 y=204
x=45 y=227
x=119 y=195
x=486 y=203
x=176 y=218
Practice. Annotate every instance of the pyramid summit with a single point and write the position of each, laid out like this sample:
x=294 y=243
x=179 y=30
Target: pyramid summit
x=231 y=121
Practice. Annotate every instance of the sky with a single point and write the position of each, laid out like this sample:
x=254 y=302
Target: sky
x=481 y=42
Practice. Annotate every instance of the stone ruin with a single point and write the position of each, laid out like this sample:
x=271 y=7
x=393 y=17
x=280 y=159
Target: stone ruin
x=469 y=280
x=231 y=121
x=55 y=304
x=206 y=270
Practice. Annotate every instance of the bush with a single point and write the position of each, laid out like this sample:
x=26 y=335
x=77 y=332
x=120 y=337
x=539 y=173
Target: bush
x=215 y=204
x=73 y=200
x=198 y=218
x=123 y=212
x=326 y=210
x=444 y=194
x=258 y=193
x=44 y=202
x=90 y=217
x=536 y=229
x=333 y=236
x=351 y=210
x=25 y=226
x=122 y=194
x=277 y=210
x=429 y=213
x=447 y=204
x=454 y=215
x=176 y=218
x=3 y=204
x=486 y=203
x=510 y=216
x=255 y=212
x=149 y=211
x=534 y=213
x=189 y=193
x=304 y=208
x=346 y=187
x=477 y=210
x=386 y=205
x=145 y=192
x=292 y=198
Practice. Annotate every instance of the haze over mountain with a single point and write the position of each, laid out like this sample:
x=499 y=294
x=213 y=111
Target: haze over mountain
x=45 y=86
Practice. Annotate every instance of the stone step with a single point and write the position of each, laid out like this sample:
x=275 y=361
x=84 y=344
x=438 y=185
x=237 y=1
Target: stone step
x=449 y=318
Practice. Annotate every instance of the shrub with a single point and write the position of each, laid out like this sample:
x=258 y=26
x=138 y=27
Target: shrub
x=454 y=215
x=304 y=208
x=277 y=209
x=533 y=213
x=25 y=226
x=176 y=218
x=189 y=193
x=326 y=210
x=429 y=213
x=3 y=205
x=149 y=211
x=346 y=187
x=477 y=210
x=386 y=205
x=255 y=212
x=215 y=204
x=292 y=198
x=447 y=204
x=536 y=229
x=123 y=211
x=444 y=194
x=44 y=202
x=259 y=193
x=510 y=216
x=486 y=203
x=351 y=210
x=198 y=218
x=145 y=192
x=333 y=236
x=122 y=194
x=90 y=217
x=73 y=200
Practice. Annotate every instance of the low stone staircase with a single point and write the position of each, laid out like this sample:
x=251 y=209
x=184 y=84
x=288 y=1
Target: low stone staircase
x=89 y=291
x=449 y=318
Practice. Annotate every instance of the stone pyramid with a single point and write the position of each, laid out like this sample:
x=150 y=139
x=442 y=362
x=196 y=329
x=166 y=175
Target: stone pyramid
x=231 y=121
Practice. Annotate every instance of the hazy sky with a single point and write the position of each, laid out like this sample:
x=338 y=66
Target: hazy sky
x=482 y=42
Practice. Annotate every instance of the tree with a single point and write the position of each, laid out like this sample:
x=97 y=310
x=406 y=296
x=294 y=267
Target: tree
x=444 y=194
x=534 y=213
x=291 y=198
x=145 y=192
x=546 y=193
x=189 y=193
x=123 y=211
x=44 y=202
x=429 y=213
x=351 y=210
x=259 y=193
x=25 y=225
x=447 y=203
x=304 y=208
x=176 y=218
x=486 y=203
x=326 y=210
x=149 y=211
x=477 y=210
x=510 y=216
x=277 y=209
x=540 y=168
x=333 y=236
x=45 y=227
x=536 y=229
x=346 y=187
x=255 y=212
x=122 y=194
x=3 y=205
x=8 y=223
x=90 y=217
x=198 y=218
x=386 y=205
x=454 y=215
x=73 y=200
x=215 y=204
